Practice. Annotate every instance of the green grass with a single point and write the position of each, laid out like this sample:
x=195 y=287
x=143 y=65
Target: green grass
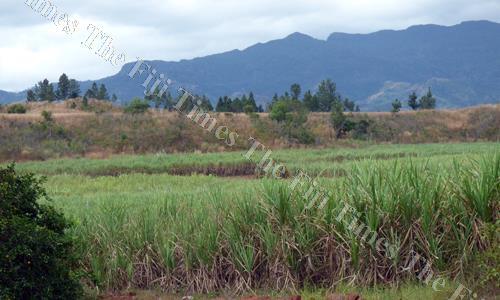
x=313 y=161
x=206 y=233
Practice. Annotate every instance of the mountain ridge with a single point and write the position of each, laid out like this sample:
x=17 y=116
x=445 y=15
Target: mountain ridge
x=461 y=63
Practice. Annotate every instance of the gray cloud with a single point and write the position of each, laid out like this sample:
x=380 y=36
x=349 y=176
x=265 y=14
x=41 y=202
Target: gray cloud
x=31 y=48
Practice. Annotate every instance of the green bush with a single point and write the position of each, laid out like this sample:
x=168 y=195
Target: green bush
x=16 y=109
x=137 y=106
x=37 y=258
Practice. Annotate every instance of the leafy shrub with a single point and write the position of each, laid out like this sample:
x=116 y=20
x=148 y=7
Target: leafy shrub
x=137 y=106
x=303 y=135
x=16 y=109
x=36 y=256
x=47 y=116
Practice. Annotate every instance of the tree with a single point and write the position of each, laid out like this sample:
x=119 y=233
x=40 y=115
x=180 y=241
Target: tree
x=311 y=101
x=251 y=102
x=37 y=255
x=237 y=105
x=114 y=98
x=338 y=119
x=291 y=116
x=349 y=105
x=102 y=93
x=219 y=107
x=50 y=96
x=412 y=101
x=279 y=111
x=225 y=104
x=45 y=90
x=89 y=94
x=428 y=101
x=295 y=90
x=275 y=98
x=154 y=98
x=205 y=103
x=168 y=101
x=63 y=87
x=30 y=96
x=93 y=92
x=396 y=106
x=326 y=95
x=74 y=89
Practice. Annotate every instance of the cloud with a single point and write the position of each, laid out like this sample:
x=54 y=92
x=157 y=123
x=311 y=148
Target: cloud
x=32 y=48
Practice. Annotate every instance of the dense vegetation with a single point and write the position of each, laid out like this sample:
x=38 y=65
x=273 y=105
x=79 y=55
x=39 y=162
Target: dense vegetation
x=37 y=258
x=200 y=233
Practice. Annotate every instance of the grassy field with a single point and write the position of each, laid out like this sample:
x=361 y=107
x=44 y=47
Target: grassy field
x=145 y=228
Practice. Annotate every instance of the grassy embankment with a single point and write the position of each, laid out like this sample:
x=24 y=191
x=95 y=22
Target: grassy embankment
x=75 y=133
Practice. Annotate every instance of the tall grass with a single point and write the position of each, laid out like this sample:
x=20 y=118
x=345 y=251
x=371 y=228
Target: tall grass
x=194 y=234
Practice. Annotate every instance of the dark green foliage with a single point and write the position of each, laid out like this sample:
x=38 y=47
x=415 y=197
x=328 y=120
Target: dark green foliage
x=292 y=115
x=310 y=101
x=37 y=258
x=427 y=101
x=137 y=106
x=295 y=90
x=344 y=124
x=396 y=106
x=237 y=105
x=205 y=104
x=102 y=94
x=338 y=119
x=16 y=109
x=45 y=91
x=349 y=105
x=361 y=129
x=47 y=116
x=412 y=101
x=165 y=100
x=30 y=96
x=114 y=98
x=74 y=89
x=93 y=92
x=327 y=95
x=279 y=111
x=224 y=104
x=251 y=103
x=63 y=87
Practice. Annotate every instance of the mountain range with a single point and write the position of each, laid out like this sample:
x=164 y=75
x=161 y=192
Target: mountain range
x=460 y=63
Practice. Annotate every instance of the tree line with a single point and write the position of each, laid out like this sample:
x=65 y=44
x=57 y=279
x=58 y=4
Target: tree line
x=427 y=101
x=66 y=89
x=246 y=104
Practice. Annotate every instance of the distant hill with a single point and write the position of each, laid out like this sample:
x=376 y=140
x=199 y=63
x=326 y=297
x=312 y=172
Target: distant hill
x=460 y=63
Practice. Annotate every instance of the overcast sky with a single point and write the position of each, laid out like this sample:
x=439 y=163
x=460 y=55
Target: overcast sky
x=32 y=48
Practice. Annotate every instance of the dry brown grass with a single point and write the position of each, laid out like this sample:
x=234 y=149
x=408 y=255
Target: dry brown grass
x=107 y=130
